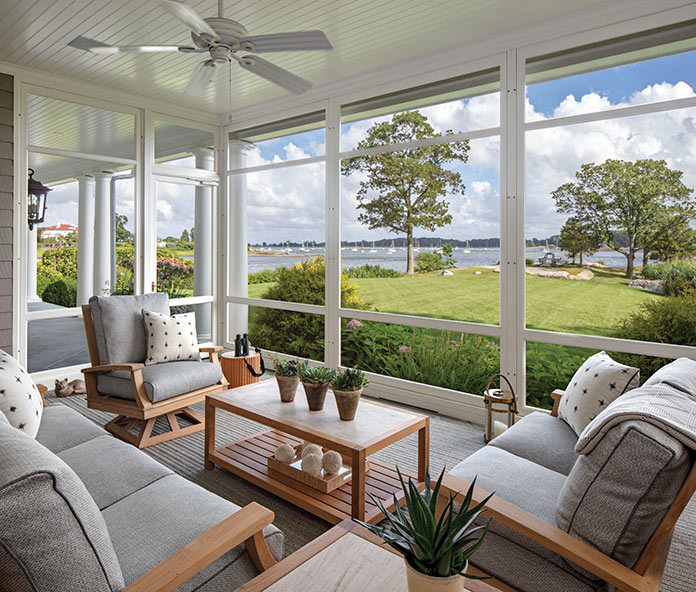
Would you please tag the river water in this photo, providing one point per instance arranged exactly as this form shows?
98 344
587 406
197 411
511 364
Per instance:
396 258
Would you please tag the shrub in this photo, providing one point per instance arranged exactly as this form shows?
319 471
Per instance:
679 276
62 293
529 262
265 276
174 276
426 262
65 260
371 271
45 275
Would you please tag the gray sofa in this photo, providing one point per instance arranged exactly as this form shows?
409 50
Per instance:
82 510
634 459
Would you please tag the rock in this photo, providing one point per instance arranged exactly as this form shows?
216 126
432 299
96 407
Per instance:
446 272
547 273
656 286
585 274
477 273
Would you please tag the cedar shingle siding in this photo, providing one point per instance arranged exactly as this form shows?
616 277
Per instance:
6 201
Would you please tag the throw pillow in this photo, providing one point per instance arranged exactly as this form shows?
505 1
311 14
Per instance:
170 339
597 383
20 400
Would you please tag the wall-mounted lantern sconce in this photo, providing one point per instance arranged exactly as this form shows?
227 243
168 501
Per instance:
37 201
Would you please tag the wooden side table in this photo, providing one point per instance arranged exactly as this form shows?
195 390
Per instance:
235 369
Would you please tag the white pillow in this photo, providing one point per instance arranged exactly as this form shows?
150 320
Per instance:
20 400
597 383
170 339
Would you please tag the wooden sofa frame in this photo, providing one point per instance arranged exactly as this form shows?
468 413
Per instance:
644 576
136 418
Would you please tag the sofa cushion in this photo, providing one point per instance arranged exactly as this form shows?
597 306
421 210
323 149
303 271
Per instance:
162 381
596 383
170 338
149 525
680 374
126 471
20 400
545 440
52 535
618 493
118 325
535 489
62 427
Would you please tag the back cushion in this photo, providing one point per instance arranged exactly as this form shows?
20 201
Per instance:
52 535
118 325
615 496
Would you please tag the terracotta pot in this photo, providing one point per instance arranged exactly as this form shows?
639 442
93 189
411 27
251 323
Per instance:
316 393
418 582
287 385
347 403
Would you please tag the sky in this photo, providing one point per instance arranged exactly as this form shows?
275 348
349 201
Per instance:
288 203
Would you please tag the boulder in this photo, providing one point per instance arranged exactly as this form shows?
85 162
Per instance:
585 274
446 272
656 286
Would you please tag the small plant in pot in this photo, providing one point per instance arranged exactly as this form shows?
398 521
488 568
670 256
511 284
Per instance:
347 387
286 377
316 381
436 549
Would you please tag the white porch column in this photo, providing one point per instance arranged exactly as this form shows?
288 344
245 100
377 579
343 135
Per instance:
32 296
203 245
102 234
85 239
237 240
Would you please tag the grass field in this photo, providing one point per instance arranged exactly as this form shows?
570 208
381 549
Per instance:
591 307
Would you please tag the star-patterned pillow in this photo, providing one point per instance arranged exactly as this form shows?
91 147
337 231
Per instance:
597 383
170 339
20 400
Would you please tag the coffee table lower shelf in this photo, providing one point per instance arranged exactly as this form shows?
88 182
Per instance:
247 458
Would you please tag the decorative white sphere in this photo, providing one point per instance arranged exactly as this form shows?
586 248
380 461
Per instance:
332 462
284 453
311 449
312 464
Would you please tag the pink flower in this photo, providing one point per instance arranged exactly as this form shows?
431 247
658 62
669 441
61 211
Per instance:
352 324
404 349
452 342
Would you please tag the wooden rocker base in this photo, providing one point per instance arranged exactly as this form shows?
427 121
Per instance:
138 432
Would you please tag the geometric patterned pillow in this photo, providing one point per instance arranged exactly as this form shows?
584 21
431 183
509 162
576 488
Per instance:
170 339
597 383
20 400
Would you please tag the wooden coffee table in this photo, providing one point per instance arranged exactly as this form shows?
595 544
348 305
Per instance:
374 427
348 558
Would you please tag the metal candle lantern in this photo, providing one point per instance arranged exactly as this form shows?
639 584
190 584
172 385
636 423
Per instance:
36 208
498 401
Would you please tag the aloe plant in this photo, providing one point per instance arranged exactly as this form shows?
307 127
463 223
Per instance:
284 367
438 547
315 374
351 379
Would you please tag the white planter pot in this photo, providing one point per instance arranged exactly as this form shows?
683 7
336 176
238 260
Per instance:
418 582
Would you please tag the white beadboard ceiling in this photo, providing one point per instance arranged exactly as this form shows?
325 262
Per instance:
366 35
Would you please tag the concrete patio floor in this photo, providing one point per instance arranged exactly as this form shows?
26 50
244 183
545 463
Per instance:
55 343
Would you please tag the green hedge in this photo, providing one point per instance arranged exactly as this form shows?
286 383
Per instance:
678 276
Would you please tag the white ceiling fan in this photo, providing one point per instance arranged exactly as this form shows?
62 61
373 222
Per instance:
224 40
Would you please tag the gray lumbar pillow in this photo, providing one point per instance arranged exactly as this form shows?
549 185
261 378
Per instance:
20 400
597 383
170 339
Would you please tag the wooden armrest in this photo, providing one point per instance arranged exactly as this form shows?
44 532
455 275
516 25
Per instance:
246 525
127 367
210 349
551 537
42 388
556 395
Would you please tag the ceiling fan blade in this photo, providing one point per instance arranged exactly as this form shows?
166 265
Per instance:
189 17
202 76
103 48
275 74
299 41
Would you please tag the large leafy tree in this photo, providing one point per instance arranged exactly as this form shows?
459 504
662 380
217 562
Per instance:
578 239
405 189
623 196
671 238
123 235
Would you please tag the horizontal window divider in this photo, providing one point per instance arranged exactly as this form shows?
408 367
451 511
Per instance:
57 313
82 155
473 135
425 322
163 172
617 113
276 165
191 300
627 346
279 304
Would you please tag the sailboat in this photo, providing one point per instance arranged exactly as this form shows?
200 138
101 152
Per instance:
467 250
417 246
355 247
303 248
391 249
373 250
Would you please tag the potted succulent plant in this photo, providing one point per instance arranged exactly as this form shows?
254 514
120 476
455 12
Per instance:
347 387
286 377
316 381
436 548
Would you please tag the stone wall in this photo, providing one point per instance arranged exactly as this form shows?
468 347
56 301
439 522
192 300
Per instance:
6 209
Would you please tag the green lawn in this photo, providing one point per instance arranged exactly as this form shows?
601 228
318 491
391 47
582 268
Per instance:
591 307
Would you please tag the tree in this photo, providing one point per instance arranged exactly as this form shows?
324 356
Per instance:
123 235
671 238
184 236
578 239
632 197
192 233
409 184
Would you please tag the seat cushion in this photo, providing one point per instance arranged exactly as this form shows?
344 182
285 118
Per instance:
118 325
162 381
545 440
62 428
535 489
149 525
52 535
127 469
